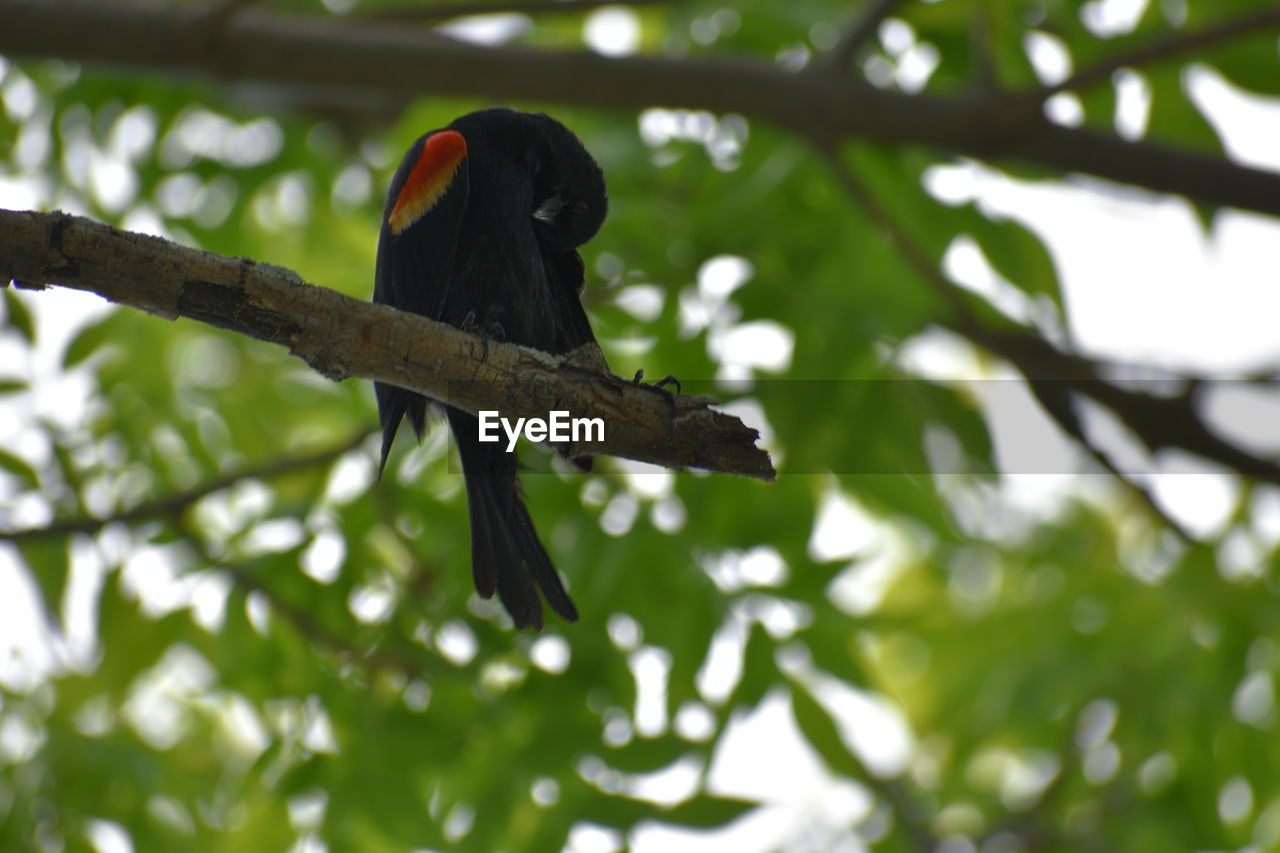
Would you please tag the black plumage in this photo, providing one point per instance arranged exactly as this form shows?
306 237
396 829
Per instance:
480 231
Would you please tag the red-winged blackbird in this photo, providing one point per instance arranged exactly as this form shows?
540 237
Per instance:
480 231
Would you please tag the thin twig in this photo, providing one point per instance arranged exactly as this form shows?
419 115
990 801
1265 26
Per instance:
320 634
449 11
910 249
1156 421
861 29
303 621
1167 48
1058 404
980 41
173 505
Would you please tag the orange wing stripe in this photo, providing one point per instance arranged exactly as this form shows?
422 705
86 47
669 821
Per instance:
429 178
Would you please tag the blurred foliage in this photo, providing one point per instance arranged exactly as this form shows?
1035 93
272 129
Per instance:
298 660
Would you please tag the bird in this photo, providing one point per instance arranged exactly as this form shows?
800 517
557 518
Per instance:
480 230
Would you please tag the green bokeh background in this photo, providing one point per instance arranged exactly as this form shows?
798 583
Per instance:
1072 679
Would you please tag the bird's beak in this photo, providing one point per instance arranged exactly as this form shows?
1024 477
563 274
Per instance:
549 210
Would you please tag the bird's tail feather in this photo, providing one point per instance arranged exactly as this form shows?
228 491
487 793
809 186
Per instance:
506 554
393 404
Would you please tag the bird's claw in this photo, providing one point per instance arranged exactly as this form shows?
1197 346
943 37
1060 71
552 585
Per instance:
661 384
668 380
492 331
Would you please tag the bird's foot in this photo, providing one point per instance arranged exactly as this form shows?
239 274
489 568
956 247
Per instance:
661 384
486 332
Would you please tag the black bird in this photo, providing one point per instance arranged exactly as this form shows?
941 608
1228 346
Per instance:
480 231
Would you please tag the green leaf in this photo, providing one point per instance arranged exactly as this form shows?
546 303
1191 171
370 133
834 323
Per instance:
18 316
820 730
646 755
48 560
20 468
619 812
1018 255
88 341
1174 119
990 625
759 671
1250 62
708 812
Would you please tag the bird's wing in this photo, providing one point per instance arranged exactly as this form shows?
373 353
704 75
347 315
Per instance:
425 204
566 274
420 223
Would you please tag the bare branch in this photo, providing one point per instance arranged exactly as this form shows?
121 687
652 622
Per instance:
1060 406
173 505
1173 46
861 30
1157 421
373 57
342 337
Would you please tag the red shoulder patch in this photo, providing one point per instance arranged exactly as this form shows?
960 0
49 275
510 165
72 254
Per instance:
429 178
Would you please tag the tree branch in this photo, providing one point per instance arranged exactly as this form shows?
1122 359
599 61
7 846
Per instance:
1159 422
1053 376
342 337
821 104
371 659
1179 44
172 505
448 11
1060 406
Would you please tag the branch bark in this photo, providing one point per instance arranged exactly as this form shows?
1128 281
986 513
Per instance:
342 337
821 103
